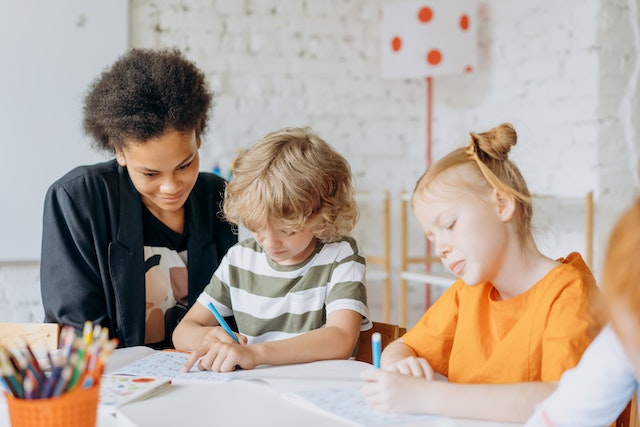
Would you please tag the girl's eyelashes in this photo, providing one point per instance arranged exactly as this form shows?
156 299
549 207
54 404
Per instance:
440 225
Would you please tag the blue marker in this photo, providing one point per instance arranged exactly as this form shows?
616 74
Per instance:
222 322
376 348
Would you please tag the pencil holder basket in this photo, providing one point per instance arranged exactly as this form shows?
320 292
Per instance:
77 408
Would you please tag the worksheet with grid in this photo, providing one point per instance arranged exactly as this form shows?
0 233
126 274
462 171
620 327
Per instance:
349 405
168 364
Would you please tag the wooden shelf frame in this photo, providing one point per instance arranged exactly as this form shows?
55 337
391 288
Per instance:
383 259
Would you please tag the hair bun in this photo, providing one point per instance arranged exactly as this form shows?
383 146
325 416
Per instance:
495 142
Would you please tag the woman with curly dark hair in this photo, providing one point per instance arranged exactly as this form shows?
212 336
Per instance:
131 243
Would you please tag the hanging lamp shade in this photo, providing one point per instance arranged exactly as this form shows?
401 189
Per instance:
428 38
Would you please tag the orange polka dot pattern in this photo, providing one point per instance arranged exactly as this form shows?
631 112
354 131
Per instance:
428 38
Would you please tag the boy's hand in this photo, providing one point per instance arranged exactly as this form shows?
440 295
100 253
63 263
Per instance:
218 334
222 357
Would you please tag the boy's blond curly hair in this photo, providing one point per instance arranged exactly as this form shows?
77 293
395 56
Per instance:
292 178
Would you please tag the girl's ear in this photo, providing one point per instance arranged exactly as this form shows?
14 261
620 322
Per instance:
505 204
120 158
198 141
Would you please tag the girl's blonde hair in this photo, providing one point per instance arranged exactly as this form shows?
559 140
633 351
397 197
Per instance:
621 271
293 178
486 166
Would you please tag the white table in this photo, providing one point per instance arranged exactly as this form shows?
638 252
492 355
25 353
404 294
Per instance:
241 403
258 397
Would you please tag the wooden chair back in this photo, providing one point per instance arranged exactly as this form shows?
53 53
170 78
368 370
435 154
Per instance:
37 335
389 333
629 417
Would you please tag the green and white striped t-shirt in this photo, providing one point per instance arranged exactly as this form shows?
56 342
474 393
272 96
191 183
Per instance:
273 302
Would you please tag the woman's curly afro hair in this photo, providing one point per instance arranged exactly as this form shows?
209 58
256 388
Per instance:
144 94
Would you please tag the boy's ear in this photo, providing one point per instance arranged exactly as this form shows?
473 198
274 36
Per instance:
120 158
506 205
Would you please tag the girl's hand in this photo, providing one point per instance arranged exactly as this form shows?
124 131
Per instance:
414 366
222 357
392 392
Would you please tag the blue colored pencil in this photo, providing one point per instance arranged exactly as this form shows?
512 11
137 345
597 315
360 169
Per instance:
51 381
10 380
222 322
65 376
376 348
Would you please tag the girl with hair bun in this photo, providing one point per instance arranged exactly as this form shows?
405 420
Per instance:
515 319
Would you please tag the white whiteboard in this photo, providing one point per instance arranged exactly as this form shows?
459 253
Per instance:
51 51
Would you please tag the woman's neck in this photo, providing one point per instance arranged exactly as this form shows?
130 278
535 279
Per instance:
172 219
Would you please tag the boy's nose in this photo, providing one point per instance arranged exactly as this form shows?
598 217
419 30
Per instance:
269 241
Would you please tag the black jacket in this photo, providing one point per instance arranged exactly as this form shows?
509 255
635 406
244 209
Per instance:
92 263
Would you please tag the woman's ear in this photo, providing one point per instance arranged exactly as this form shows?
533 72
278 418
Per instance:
505 204
120 158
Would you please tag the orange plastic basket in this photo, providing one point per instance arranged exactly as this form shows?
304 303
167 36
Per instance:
77 408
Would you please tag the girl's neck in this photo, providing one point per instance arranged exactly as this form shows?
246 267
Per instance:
521 270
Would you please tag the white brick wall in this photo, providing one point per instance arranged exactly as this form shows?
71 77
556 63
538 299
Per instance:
562 72
20 299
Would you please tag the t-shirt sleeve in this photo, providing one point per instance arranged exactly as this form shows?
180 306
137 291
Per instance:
217 291
432 336
346 290
571 326
594 392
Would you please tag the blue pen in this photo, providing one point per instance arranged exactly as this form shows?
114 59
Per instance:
222 322
376 348
51 381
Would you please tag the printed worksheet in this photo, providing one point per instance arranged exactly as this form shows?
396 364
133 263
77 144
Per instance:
168 364
349 405
117 390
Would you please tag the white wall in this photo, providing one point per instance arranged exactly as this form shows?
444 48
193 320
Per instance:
564 73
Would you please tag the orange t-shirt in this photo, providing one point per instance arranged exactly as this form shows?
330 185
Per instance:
471 338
